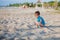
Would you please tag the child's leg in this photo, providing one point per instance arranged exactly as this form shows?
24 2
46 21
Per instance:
37 24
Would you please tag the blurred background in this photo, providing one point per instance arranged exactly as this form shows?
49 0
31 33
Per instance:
31 3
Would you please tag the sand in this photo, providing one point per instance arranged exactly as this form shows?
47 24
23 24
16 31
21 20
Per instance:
18 24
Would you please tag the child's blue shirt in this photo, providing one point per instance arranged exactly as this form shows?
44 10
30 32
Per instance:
40 19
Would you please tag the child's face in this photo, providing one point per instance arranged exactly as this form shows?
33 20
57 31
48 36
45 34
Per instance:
36 15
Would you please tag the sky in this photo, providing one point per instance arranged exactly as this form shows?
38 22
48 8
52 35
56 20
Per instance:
7 2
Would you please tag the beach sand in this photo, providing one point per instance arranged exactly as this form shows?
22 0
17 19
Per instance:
18 24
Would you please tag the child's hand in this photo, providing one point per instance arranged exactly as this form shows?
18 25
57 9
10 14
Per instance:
37 23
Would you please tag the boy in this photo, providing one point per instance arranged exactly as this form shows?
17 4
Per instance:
39 20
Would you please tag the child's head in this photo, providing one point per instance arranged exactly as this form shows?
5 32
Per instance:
37 13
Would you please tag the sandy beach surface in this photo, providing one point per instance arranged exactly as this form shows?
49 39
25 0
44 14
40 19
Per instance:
18 24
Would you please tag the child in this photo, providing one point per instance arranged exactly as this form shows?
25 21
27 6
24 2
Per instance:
39 20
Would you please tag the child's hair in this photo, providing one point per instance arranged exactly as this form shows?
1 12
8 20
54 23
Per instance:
37 12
